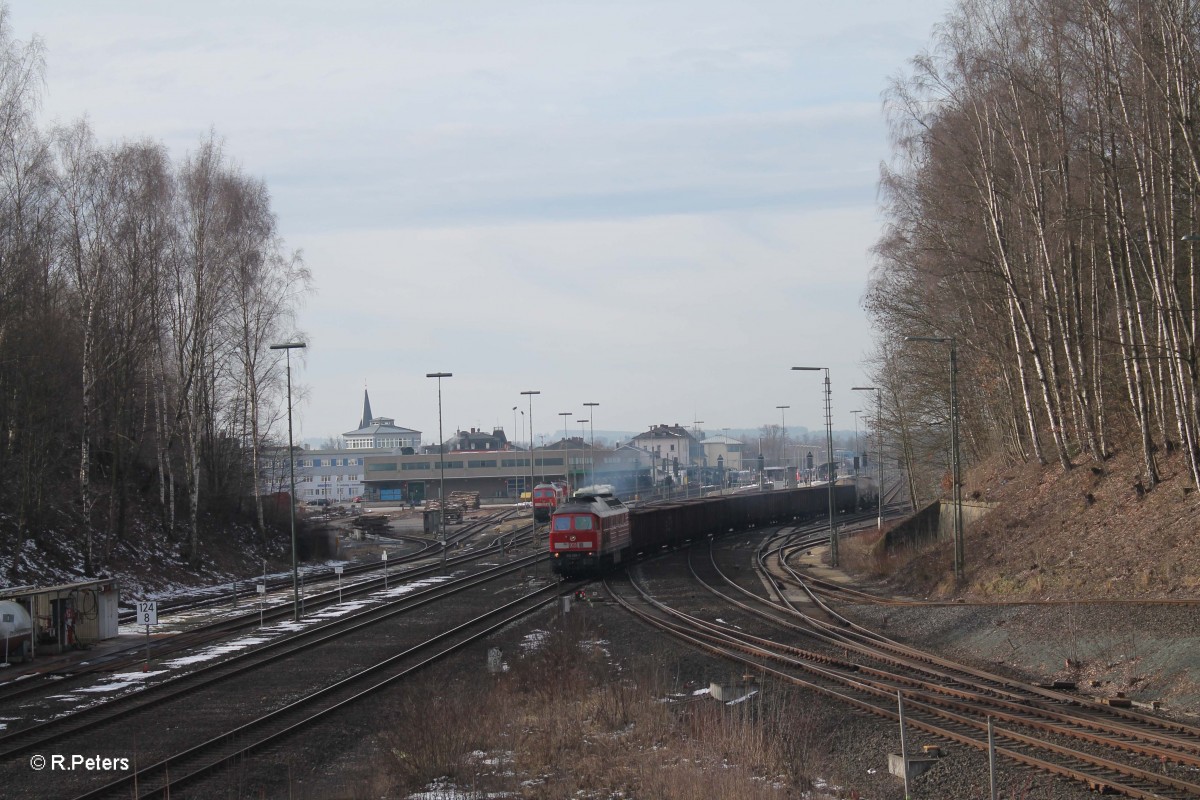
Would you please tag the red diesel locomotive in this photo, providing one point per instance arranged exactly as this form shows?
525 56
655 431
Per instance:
589 533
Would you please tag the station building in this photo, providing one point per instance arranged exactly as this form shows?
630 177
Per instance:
501 474
386 463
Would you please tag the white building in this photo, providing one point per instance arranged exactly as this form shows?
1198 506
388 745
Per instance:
670 447
336 476
333 475
725 448
380 433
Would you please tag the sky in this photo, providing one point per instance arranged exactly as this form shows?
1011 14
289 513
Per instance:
657 206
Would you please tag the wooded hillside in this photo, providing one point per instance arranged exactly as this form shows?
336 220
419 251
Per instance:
138 299
1043 182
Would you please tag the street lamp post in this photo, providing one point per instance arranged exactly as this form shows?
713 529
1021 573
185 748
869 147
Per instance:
959 556
287 348
592 442
514 430
832 473
783 434
441 461
856 412
566 447
879 434
581 422
532 482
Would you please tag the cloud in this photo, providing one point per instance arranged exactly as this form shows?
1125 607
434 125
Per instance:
657 205
705 309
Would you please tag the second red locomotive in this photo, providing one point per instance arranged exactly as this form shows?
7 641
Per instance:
547 497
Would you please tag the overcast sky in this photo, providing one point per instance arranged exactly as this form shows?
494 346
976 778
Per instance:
658 206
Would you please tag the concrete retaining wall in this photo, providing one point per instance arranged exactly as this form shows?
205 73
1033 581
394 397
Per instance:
934 521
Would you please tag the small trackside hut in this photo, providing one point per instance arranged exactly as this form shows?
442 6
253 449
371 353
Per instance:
66 617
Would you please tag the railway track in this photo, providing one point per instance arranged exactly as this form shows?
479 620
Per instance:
295 683
1104 748
231 747
42 735
246 589
58 676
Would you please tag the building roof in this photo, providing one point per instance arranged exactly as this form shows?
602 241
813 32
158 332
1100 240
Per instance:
569 443
722 440
666 432
380 425
474 440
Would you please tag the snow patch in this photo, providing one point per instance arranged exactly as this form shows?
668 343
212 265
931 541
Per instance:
534 640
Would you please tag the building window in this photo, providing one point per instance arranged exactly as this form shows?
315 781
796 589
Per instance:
386 466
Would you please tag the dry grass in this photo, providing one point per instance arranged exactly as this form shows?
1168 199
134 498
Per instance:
565 722
1084 532
921 567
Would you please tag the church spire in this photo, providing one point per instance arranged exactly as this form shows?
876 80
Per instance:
366 420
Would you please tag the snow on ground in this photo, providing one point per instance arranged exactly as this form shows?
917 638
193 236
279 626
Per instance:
741 699
534 640
108 687
598 645
442 789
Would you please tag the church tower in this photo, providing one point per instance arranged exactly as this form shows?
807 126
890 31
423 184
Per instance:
366 420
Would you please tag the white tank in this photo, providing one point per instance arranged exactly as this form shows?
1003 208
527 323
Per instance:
16 629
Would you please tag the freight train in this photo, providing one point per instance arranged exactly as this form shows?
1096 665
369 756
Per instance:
593 532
